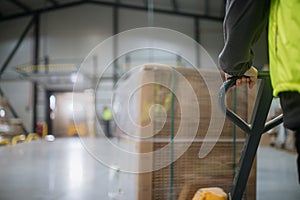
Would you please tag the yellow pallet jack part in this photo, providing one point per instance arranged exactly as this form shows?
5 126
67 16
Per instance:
32 136
212 193
45 130
4 141
18 138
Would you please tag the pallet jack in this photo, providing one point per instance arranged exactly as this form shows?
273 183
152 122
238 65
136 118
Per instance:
254 130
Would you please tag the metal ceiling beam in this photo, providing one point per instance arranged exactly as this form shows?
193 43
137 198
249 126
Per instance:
20 5
111 4
158 10
7 61
42 10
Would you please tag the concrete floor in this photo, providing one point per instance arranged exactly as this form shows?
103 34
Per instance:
59 170
64 170
277 176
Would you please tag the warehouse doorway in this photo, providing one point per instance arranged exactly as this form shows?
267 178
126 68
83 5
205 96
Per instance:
70 114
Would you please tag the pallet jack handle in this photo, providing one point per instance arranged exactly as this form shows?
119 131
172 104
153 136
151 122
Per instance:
254 129
262 97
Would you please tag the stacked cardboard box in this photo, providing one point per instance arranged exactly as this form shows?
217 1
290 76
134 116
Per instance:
8 126
4 120
187 172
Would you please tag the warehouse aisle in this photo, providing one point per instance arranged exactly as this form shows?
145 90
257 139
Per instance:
277 175
64 170
59 170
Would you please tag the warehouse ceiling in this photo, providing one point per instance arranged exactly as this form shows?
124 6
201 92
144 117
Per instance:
14 9
208 9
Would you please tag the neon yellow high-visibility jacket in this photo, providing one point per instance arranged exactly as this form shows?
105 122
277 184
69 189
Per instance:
107 115
284 45
245 20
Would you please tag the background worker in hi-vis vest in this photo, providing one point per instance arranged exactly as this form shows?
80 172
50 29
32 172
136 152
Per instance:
107 117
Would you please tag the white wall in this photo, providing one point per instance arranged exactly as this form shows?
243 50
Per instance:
211 38
130 19
68 35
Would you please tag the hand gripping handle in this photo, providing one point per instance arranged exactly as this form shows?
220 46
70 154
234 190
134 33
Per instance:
264 95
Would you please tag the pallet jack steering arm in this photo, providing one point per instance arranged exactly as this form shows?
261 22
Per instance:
253 130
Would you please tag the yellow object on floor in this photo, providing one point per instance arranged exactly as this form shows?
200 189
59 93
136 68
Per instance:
213 193
4 141
18 138
32 136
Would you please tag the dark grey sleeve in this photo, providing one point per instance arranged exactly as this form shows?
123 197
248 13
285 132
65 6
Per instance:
243 24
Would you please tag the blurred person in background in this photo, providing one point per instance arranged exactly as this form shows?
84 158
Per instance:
107 117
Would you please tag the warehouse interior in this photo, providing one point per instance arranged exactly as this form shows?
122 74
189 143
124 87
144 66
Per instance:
115 99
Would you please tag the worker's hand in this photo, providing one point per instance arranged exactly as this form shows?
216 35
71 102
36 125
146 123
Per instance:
250 78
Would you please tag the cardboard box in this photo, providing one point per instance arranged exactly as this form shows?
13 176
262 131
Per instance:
177 91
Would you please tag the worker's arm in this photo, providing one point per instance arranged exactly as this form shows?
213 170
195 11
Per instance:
243 24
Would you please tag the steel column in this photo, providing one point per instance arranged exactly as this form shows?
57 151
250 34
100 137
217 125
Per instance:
35 62
197 39
175 5
48 111
115 40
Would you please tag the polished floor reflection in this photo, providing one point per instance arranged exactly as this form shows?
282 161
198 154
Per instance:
65 170
60 170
